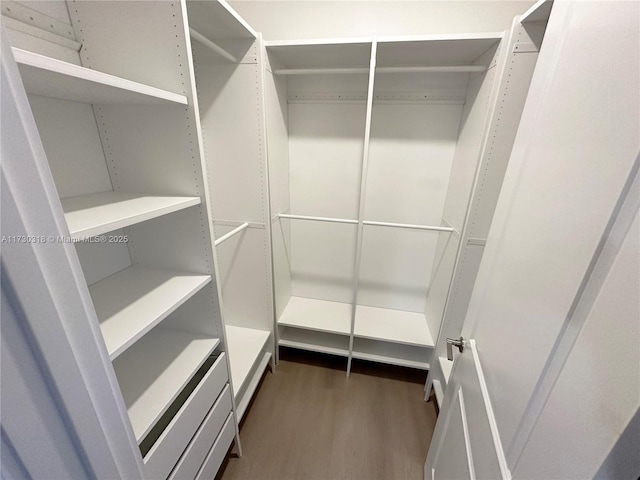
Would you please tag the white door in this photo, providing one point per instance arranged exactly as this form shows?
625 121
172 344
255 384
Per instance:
528 395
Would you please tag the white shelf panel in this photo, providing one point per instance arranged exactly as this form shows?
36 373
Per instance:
434 50
245 347
320 315
134 300
50 77
314 341
391 353
155 370
396 326
241 406
329 53
99 213
445 368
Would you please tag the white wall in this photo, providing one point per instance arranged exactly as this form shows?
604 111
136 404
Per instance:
289 19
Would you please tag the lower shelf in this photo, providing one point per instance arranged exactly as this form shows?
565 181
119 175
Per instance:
314 341
245 347
363 349
396 326
154 371
391 353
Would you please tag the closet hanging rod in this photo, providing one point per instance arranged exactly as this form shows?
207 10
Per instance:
231 234
434 69
318 219
209 44
415 69
325 71
408 225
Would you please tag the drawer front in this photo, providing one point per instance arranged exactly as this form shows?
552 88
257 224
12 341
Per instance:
218 451
194 456
169 447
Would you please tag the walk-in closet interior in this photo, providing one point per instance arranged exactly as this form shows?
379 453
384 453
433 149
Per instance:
228 195
375 148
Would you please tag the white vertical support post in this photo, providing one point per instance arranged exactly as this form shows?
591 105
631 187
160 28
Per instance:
207 205
275 358
363 191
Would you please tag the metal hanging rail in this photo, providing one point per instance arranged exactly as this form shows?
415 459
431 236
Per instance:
416 69
410 226
209 44
233 232
434 69
318 219
325 71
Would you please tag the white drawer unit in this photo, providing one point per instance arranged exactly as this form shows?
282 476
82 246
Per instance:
196 452
218 451
168 448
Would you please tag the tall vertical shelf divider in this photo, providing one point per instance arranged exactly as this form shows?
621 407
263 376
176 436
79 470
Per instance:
366 147
227 59
122 138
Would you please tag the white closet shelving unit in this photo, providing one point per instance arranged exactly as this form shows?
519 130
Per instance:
373 148
451 292
115 105
227 59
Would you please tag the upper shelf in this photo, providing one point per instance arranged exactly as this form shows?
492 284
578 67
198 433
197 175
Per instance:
434 50
321 54
433 53
539 12
49 77
99 213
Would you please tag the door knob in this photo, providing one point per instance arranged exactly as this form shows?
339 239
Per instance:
452 342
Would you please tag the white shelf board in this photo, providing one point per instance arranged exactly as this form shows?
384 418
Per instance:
390 359
434 50
90 215
134 300
314 341
324 53
50 77
155 370
445 368
218 21
245 347
539 12
241 406
395 326
320 315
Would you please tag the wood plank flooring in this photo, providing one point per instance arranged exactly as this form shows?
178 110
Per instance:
310 422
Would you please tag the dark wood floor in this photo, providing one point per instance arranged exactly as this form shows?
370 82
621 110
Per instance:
310 422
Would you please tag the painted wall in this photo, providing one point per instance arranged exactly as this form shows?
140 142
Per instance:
289 19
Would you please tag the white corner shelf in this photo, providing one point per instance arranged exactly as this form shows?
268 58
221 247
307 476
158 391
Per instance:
90 215
134 300
445 368
245 347
54 78
320 315
397 326
314 341
153 373
391 353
